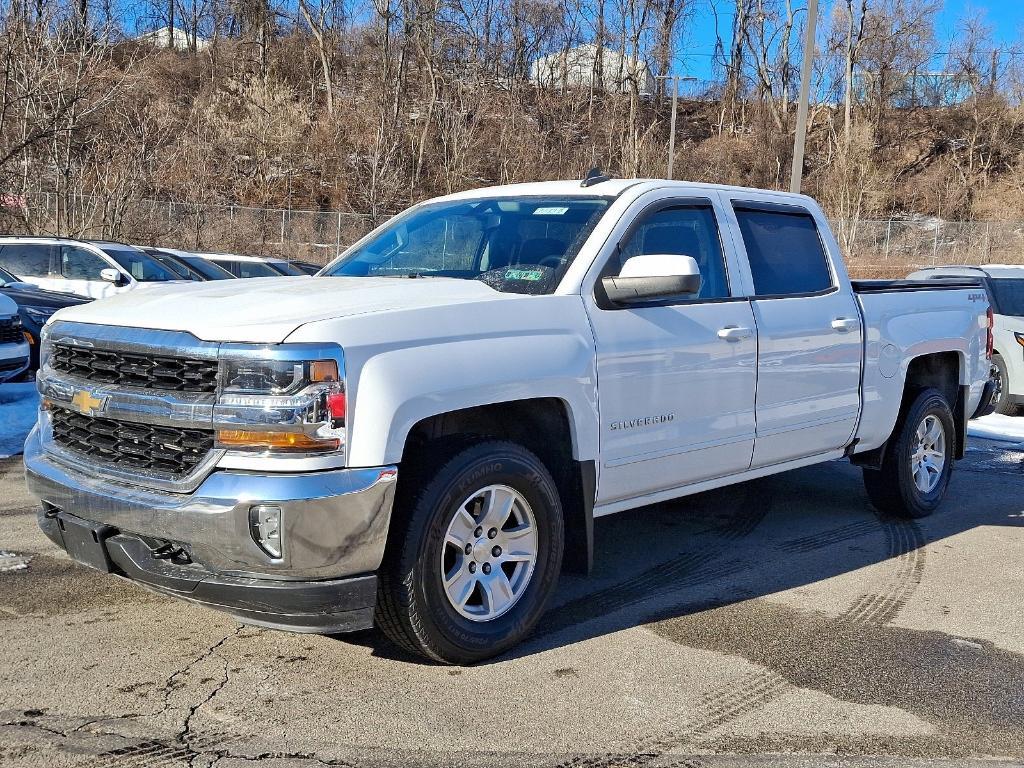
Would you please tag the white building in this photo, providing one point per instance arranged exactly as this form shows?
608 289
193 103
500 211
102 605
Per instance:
577 68
162 38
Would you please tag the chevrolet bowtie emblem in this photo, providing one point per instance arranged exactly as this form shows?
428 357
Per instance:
86 403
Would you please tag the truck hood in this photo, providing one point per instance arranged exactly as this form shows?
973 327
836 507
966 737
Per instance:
267 310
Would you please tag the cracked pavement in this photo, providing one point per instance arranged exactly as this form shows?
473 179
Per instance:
780 622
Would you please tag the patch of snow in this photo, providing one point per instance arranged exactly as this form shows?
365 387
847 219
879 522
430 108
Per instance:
1006 429
19 403
12 562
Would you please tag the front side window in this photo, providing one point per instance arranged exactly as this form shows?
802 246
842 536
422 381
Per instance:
515 245
685 230
1007 296
139 265
26 259
80 264
784 250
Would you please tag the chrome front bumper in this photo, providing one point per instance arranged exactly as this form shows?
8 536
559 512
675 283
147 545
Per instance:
334 522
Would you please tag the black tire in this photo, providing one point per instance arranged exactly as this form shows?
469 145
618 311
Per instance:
892 488
413 609
1003 404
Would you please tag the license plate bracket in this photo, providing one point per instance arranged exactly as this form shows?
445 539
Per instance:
86 542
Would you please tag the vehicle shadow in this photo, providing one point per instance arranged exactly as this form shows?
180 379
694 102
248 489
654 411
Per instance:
758 538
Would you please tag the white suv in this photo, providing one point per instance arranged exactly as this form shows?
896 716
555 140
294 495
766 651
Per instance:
91 269
1005 285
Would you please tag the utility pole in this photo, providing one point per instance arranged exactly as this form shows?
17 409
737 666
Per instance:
805 90
676 79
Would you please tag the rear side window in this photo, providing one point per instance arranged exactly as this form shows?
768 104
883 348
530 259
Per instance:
26 259
1007 295
785 251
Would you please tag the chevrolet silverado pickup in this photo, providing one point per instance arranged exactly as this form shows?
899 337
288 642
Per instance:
421 436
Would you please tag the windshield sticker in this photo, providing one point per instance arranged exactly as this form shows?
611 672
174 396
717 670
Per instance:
524 274
551 211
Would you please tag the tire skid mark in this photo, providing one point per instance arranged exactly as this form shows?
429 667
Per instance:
827 538
156 753
905 547
689 569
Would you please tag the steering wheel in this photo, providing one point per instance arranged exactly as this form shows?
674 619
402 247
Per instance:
552 262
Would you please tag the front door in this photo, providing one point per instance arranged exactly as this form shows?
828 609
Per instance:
676 377
809 335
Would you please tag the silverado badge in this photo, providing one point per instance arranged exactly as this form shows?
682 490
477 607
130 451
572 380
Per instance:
86 403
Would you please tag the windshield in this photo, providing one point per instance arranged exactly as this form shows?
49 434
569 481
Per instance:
516 245
139 265
246 268
174 266
7 277
1008 296
287 269
207 269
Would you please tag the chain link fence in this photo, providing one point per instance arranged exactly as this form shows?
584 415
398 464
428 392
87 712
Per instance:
316 236
873 248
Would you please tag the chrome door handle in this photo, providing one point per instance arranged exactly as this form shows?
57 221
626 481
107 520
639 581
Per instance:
734 333
845 324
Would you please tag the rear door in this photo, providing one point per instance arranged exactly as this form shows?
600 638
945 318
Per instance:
809 332
676 377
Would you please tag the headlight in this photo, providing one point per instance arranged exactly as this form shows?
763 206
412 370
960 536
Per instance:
281 406
40 314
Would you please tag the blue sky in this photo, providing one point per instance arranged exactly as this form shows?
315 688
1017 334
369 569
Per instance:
1006 17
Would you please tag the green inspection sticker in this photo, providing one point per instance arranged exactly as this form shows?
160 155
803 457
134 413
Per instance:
524 274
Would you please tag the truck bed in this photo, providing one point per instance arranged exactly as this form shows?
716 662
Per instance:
931 284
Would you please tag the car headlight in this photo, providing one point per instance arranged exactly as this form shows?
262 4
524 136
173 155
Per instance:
280 406
40 314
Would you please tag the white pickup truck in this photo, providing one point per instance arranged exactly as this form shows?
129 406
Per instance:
421 436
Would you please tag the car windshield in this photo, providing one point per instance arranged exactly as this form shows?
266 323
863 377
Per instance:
240 268
1008 295
139 265
180 270
515 245
207 269
286 269
7 277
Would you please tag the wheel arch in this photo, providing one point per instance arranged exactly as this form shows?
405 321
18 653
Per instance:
543 426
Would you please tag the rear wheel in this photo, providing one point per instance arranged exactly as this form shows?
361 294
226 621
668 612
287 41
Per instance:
475 553
1001 398
918 461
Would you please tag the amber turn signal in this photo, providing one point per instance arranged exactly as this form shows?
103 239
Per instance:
275 441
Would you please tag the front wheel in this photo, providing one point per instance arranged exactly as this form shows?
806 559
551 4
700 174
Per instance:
475 553
918 461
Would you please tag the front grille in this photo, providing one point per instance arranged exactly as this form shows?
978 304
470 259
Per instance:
134 369
129 445
10 333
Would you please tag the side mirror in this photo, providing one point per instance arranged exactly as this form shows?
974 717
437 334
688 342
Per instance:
111 275
648 278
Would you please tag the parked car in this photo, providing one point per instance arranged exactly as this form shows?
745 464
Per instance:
1005 286
93 269
35 306
14 349
242 266
425 432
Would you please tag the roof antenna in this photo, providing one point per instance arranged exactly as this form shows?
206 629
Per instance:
594 176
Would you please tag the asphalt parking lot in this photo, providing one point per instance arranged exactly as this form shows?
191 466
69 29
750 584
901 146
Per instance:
781 617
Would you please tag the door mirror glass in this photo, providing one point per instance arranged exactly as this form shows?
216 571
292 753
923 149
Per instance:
649 278
111 275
